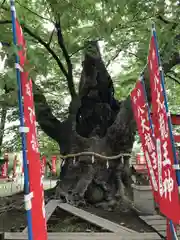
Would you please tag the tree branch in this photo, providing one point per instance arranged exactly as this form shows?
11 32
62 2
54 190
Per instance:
67 58
3 2
42 42
51 36
173 78
5 22
45 118
36 14
59 131
174 24
3 7
83 47
173 27
173 61
128 24
7 9
5 44
133 54
69 74
174 73
118 51
77 50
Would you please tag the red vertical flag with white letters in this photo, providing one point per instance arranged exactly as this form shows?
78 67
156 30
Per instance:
14 165
54 158
167 184
4 167
33 156
43 165
140 109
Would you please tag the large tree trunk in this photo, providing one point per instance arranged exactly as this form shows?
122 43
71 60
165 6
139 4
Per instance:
97 123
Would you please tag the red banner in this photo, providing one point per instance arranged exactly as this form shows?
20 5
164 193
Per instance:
54 158
175 119
145 132
168 190
14 165
4 167
4 170
177 138
140 159
33 155
43 165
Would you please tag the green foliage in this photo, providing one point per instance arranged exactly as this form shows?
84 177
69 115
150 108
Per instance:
123 28
47 146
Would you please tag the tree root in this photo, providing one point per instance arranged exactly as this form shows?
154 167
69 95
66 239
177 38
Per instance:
95 184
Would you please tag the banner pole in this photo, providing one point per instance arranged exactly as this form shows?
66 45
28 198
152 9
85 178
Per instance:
22 126
169 121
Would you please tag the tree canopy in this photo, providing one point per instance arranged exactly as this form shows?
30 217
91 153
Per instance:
56 30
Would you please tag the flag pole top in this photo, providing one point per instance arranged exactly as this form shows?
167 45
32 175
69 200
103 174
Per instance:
153 27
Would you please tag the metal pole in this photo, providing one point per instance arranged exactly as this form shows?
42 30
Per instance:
21 117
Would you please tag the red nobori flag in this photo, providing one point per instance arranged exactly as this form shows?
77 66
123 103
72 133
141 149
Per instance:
14 166
140 109
167 184
33 156
4 167
43 165
4 170
54 158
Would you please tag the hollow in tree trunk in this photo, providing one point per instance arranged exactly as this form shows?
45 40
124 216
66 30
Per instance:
98 123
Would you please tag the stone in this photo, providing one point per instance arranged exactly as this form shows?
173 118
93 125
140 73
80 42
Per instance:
143 199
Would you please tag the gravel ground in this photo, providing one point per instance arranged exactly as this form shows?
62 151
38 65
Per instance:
10 188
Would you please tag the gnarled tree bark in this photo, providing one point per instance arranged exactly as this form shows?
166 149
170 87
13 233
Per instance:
98 123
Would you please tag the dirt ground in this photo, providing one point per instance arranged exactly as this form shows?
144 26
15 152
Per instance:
12 213
13 218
